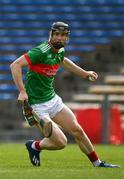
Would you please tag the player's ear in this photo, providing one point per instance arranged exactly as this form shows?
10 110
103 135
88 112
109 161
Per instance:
67 39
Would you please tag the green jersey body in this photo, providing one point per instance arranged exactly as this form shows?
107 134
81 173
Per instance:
44 63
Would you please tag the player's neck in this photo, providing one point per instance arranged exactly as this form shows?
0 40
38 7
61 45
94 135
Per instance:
54 49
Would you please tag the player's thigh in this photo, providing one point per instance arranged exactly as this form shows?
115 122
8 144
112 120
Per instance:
67 120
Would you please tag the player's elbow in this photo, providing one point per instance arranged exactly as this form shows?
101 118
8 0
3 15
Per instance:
12 65
18 63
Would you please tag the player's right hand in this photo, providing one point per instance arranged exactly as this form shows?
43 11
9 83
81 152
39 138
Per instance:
22 96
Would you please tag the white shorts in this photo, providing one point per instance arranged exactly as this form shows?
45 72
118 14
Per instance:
48 109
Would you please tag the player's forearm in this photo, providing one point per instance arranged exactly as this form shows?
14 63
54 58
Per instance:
69 65
17 76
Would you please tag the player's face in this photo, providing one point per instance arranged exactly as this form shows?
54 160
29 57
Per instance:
59 38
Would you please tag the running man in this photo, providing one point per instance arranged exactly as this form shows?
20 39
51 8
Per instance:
43 62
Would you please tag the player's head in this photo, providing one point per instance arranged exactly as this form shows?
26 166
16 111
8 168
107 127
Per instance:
59 34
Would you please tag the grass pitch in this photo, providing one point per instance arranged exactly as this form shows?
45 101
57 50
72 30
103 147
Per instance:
69 163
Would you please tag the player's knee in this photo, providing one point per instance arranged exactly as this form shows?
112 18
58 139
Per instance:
62 142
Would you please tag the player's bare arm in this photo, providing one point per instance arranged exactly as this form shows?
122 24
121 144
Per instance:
71 66
16 69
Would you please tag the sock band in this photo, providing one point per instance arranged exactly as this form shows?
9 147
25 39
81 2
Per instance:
37 145
93 156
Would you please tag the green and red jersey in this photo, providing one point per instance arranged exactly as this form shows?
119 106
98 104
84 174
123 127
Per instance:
44 63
